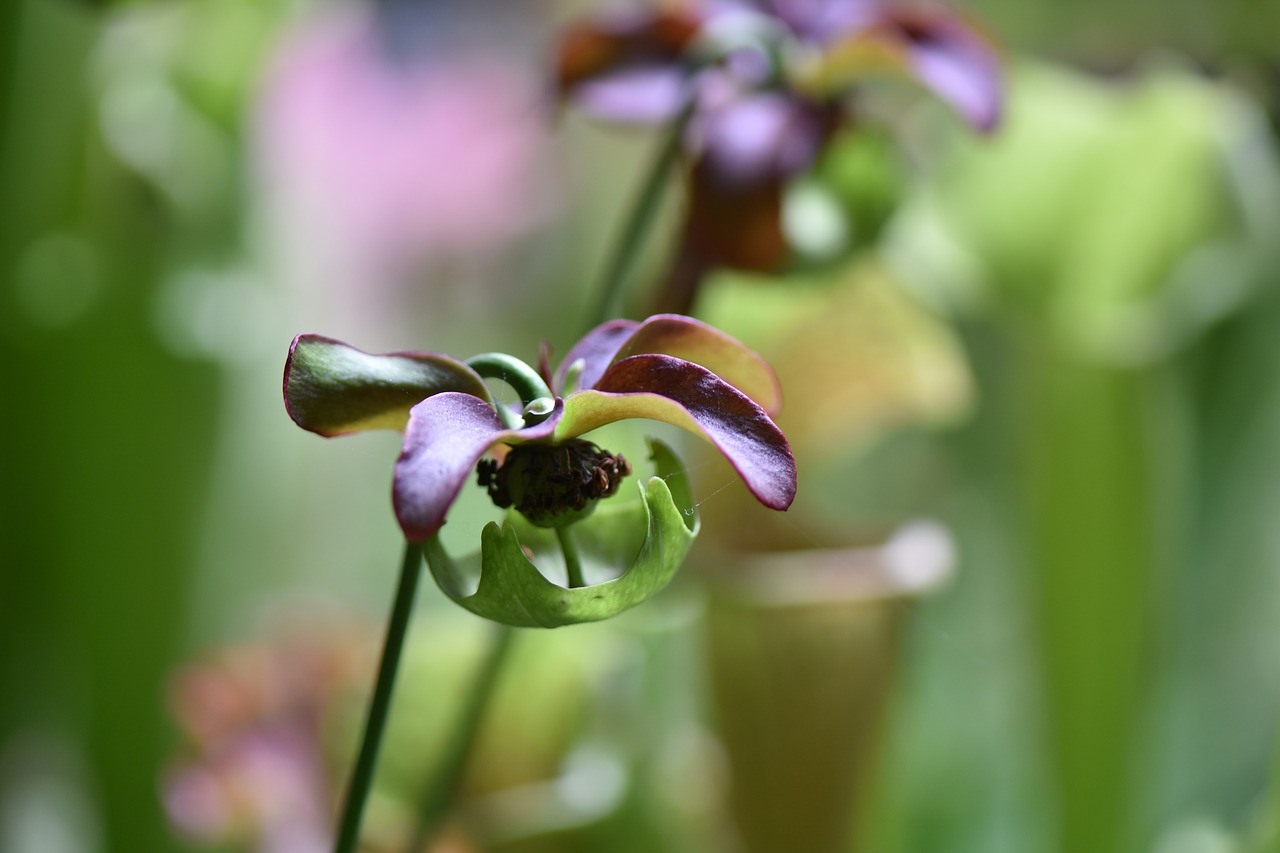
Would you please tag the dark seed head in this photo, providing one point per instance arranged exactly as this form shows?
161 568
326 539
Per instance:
553 485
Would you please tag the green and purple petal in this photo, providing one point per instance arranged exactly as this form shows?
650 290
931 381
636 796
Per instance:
446 436
331 388
674 391
725 356
596 351
679 336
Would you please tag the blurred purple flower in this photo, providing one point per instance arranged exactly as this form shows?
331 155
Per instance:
255 773
766 81
405 158
266 787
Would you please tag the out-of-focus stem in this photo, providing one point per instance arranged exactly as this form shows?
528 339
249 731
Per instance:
443 789
638 222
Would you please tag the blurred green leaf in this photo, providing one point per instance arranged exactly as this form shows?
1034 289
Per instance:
1110 225
1124 215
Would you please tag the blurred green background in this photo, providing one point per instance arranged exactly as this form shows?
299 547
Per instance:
1057 345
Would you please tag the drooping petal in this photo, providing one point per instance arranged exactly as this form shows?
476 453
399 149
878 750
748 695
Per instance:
936 48
445 438
953 61
596 350
725 356
331 388
628 67
747 140
663 388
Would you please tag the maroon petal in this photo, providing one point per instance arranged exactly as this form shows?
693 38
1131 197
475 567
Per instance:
734 227
628 67
695 341
445 438
679 392
750 146
596 350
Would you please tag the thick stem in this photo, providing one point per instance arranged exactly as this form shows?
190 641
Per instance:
638 222
572 562
443 789
380 703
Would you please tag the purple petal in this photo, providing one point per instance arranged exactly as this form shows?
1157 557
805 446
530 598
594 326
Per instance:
445 438
725 356
628 67
944 54
641 94
663 388
596 349
822 20
753 139
958 66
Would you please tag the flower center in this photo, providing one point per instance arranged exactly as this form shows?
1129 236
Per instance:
553 485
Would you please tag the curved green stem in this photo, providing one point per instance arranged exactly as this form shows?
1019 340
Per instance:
362 774
572 562
511 370
443 789
638 221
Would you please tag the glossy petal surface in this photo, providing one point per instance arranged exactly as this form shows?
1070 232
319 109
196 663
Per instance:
596 349
445 438
679 336
674 391
725 356
331 388
646 540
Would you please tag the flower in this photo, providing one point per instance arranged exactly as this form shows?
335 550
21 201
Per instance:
253 772
668 368
766 83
